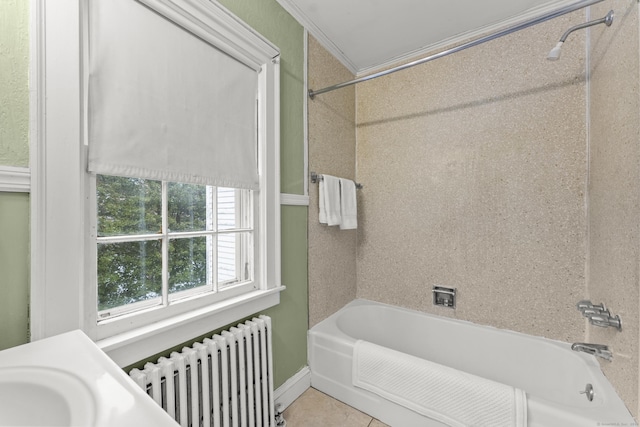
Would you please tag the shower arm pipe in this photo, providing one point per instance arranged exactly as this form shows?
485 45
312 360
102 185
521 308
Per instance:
606 20
529 23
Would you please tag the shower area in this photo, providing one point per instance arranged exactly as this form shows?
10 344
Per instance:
512 178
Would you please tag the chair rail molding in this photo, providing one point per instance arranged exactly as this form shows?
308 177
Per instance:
294 199
15 179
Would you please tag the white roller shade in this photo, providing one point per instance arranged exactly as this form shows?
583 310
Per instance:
165 104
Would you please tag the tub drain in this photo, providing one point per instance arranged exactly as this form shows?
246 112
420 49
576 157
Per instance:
588 390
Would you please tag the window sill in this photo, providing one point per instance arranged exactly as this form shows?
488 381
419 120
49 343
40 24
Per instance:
135 345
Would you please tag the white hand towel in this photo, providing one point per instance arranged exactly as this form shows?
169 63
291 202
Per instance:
322 212
329 200
348 205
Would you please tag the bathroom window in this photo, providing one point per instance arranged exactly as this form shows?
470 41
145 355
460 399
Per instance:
156 190
159 243
182 214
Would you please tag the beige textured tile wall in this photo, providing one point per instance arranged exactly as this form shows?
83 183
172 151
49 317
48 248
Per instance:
474 168
614 200
332 150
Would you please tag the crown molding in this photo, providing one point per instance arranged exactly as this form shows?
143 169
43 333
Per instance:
327 43
318 34
463 37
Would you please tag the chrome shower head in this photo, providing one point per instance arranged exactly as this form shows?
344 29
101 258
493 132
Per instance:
554 55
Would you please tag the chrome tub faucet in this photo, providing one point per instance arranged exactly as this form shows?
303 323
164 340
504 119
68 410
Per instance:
598 350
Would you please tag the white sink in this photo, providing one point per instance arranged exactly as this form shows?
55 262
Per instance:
44 396
67 380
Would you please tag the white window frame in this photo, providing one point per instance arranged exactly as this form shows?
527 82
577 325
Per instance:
61 299
148 311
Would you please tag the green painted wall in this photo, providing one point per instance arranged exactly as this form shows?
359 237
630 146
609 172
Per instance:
14 269
14 151
290 318
14 83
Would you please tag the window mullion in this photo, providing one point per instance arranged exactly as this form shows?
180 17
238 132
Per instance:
165 243
240 240
127 238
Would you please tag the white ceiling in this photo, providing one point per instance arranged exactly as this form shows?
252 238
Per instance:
368 34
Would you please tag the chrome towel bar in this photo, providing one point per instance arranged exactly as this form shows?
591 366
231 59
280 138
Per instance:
316 177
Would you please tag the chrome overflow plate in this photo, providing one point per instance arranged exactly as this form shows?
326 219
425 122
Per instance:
588 390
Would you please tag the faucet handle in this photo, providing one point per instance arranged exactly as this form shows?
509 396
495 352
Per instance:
604 321
588 312
581 305
588 305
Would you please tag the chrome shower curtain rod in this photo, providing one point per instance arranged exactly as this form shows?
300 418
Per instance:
529 23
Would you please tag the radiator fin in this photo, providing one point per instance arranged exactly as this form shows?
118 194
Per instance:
223 381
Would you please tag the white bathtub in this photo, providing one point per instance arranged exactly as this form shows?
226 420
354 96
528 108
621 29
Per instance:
551 374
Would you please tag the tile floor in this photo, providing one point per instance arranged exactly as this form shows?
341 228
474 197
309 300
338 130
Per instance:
316 409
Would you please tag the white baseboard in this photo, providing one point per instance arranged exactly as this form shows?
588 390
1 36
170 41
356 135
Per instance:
293 388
